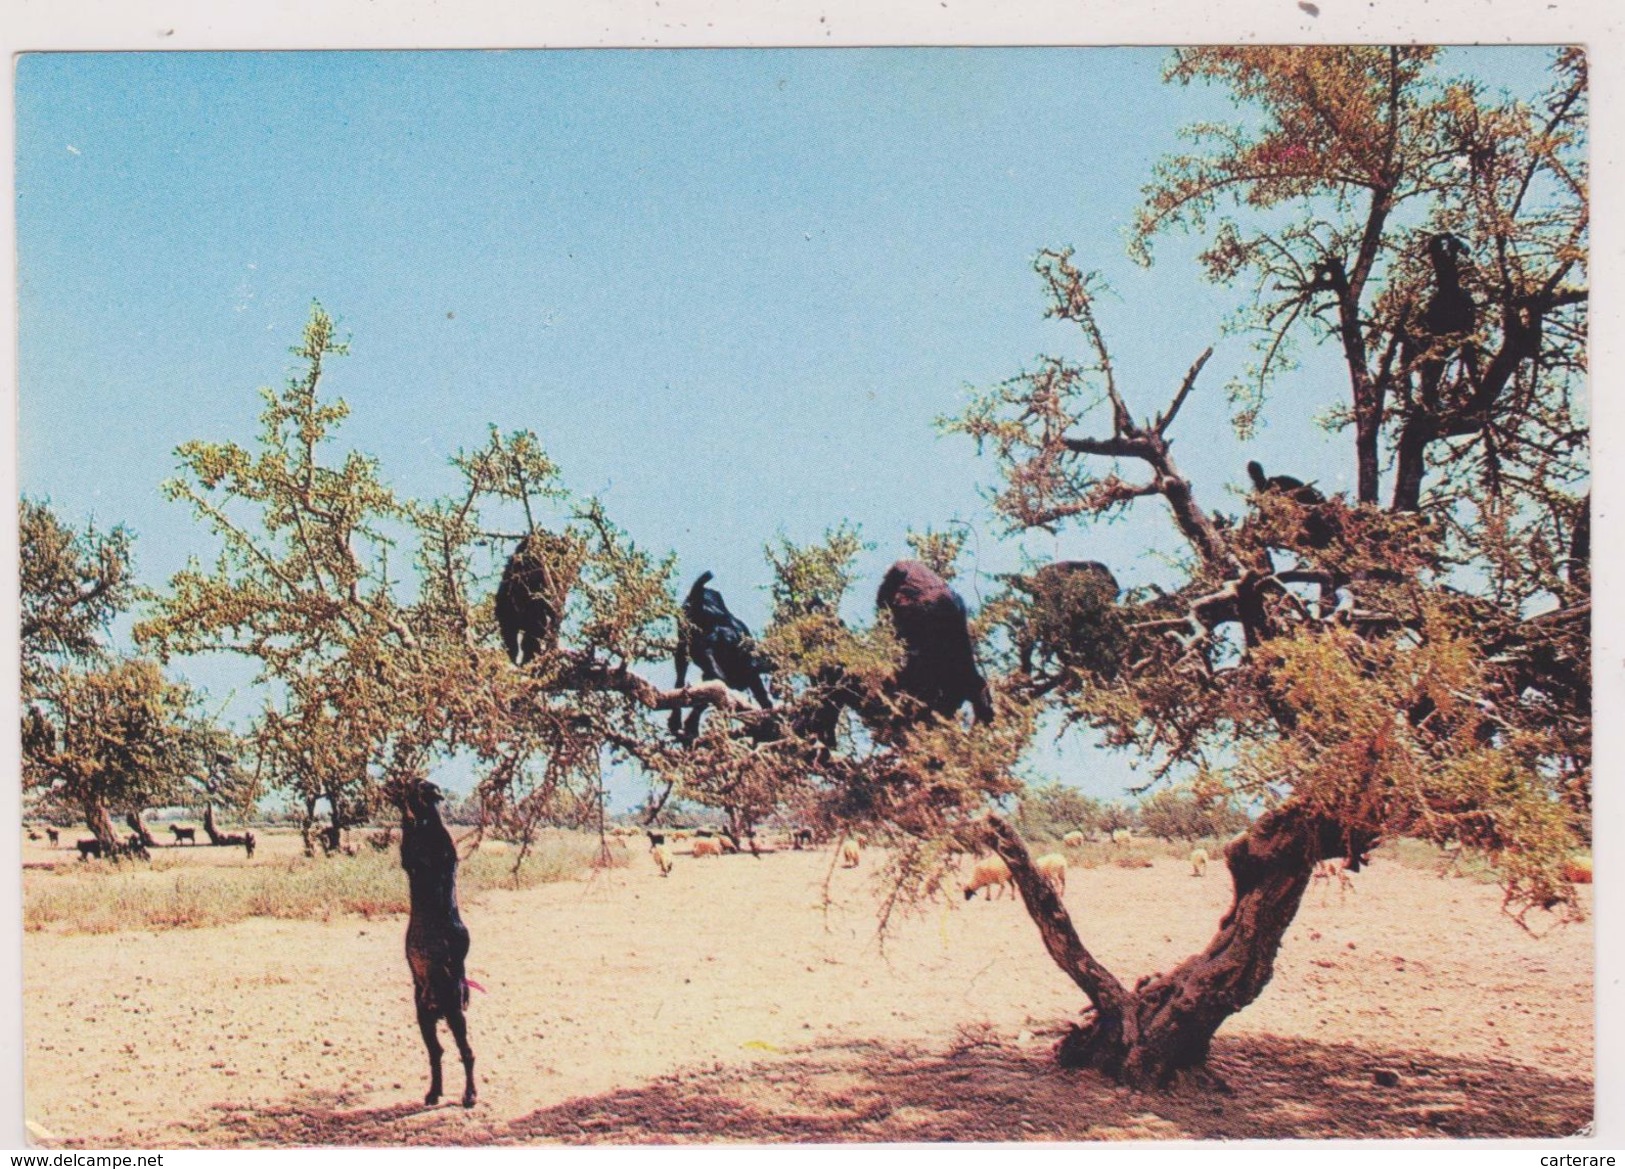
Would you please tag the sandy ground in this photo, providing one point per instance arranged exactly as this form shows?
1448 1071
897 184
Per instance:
727 1003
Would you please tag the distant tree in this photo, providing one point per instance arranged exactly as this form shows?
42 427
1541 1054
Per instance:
1184 815
1051 811
102 734
107 741
72 585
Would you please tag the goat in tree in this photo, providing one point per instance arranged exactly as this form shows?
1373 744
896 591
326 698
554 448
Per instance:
720 644
529 602
1318 529
436 938
1295 489
1448 318
939 663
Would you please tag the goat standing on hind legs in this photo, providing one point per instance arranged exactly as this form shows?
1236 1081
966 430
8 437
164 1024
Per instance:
436 938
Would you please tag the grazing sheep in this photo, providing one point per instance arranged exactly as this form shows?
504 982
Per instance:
1198 862
803 838
662 858
1073 840
436 938
531 597
1121 836
187 834
53 836
707 846
939 662
990 872
721 645
1052 867
850 854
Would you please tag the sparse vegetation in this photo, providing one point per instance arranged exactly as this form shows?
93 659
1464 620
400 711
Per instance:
97 897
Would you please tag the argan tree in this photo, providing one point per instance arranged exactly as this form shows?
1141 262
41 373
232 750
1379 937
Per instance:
370 622
1358 669
102 734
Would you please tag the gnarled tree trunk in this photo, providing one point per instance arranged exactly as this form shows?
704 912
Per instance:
1164 1027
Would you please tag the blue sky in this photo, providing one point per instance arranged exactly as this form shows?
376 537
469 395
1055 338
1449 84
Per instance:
730 290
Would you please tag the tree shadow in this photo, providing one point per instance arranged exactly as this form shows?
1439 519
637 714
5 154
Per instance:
981 1090
1279 1088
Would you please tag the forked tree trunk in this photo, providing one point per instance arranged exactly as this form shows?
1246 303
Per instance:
101 826
209 829
139 827
1164 1027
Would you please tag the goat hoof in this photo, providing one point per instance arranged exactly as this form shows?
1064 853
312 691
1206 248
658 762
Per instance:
468 1099
432 1098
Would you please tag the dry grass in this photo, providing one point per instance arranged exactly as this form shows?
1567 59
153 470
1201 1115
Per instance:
96 897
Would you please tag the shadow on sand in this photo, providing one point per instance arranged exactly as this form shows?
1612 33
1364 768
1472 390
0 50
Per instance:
989 1091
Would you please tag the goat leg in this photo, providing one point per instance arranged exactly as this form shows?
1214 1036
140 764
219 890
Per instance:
426 1024
459 1032
675 723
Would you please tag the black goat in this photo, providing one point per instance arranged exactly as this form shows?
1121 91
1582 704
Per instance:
1319 527
939 663
90 848
1447 319
53 836
720 644
187 834
1296 489
803 838
436 938
530 601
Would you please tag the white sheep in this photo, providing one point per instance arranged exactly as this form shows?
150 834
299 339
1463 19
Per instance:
849 854
990 872
662 856
1073 839
1198 862
1052 867
707 846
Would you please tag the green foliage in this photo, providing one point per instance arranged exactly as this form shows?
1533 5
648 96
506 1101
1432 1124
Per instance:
72 584
115 737
1051 811
938 551
1184 815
